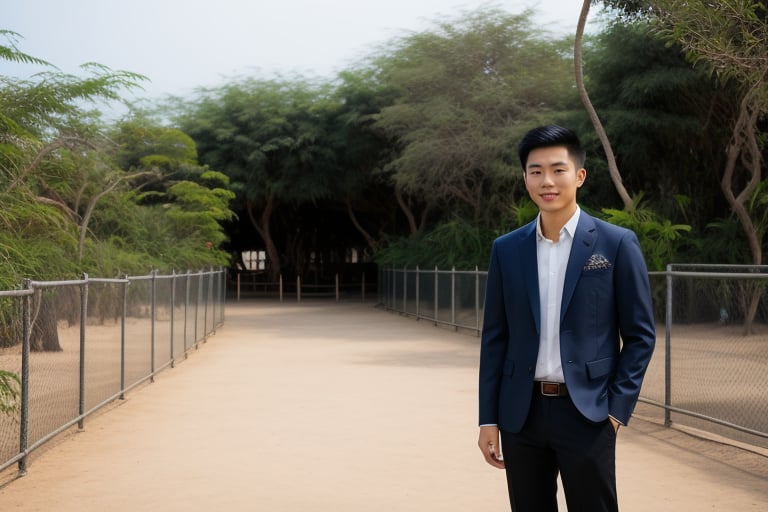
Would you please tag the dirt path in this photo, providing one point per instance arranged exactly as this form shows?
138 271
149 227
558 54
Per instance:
332 407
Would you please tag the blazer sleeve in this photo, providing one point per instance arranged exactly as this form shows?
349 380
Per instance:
636 327
493 342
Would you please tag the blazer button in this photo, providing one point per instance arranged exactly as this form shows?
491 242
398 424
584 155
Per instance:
530 369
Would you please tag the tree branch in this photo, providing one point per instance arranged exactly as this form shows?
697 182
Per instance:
613 168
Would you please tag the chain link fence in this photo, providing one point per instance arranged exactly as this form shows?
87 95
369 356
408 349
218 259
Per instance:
446 297
77 346
709 368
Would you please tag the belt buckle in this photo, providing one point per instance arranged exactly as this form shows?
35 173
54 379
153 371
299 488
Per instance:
550 388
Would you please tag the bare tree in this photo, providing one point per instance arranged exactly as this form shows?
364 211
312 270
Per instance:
578 58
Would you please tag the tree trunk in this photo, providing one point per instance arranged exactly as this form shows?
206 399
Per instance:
44 336
368 238
262 227
407 211
613 168
744 148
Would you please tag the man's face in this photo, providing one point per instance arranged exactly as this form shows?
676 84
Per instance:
551 179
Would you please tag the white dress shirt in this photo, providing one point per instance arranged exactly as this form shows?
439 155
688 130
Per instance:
552 263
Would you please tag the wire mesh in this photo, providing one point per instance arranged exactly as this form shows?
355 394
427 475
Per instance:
11 336
91 340
54 364
103 336
709 374
719 353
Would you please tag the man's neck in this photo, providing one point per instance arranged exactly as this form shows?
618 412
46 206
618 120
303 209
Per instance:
552 223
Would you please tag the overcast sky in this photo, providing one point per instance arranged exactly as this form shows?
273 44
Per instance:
183 44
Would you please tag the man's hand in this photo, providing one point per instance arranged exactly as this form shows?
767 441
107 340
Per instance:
490 446
615 424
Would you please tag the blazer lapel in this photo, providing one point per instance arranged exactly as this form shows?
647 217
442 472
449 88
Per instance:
530 267
581 249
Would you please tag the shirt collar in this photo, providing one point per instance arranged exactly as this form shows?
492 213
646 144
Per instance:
569 228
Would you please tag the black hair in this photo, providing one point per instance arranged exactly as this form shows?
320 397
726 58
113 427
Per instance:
551 135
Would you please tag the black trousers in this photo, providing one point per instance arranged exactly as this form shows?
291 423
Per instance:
557 438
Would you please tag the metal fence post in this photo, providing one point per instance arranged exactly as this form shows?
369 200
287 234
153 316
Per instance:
220 294
153 291
33 417
26 333
83 320
337 287
437 288
477 299
668 351
219 297
186 315
205 309
197 305
173 311
453 299
405 289
418 294
123 312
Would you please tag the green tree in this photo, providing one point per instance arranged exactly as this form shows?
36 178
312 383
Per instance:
45 137
9 392
189 203
613 168
360 152
268 137
729 38
465 90
654 103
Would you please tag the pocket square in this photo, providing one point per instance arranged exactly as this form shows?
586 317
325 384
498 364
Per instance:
597 262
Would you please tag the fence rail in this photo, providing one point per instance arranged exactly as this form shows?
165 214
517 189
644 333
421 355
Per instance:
79 345
252 283
709 373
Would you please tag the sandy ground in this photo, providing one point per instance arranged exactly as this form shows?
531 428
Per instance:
336 407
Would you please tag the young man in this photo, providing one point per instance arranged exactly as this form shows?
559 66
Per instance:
567 336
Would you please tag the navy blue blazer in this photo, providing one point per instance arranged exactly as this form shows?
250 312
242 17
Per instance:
607 328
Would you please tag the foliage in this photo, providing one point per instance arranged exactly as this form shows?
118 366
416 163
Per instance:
659 238
9 392
724 238
36 241
143 144
58 167
637 81
58 164
730 38
176 220
525 211
466 88
455 243
51 101
270 138
418 141
722 242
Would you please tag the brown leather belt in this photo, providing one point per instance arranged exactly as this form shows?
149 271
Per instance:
551 388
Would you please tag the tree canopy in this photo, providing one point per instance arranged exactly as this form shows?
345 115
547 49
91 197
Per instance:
412 149
73 186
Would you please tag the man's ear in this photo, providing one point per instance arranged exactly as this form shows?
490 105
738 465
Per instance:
581 176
